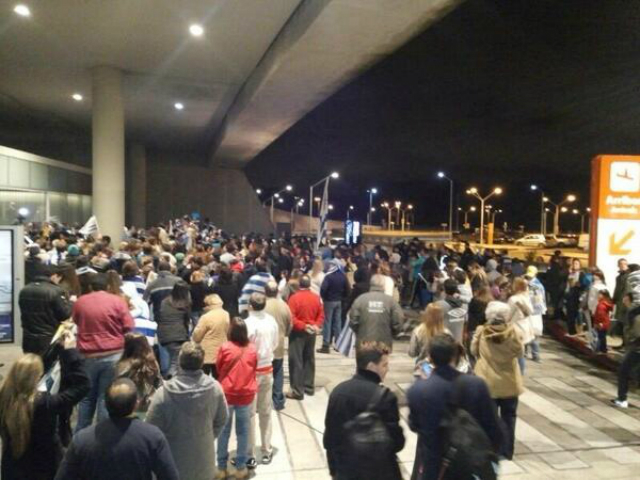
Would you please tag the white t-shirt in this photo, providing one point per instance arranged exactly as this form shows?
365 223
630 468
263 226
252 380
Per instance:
263 332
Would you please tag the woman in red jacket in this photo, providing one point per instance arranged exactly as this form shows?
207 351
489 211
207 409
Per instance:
236 364
602 318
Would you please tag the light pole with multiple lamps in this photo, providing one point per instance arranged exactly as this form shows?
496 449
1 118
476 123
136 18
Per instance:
298 202
558 207
442 175
542 214
466 214
474 191
404 211
334 175
371 192
586 213
387 207
273 198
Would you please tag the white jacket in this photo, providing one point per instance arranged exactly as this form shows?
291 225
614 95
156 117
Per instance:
263 332
521 311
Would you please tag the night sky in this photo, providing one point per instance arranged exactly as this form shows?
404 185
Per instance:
498 93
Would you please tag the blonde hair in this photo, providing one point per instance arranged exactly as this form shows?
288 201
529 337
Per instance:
519 285
432 322
17 397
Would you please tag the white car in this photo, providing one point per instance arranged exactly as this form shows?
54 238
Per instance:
533 240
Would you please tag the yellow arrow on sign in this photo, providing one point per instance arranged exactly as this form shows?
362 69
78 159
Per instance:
615 247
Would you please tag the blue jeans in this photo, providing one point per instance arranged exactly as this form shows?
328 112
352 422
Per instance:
163 359
332 322
174 351
242 433
278 384
534 346
100 371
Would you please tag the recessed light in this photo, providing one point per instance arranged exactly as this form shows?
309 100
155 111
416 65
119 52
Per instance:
196 30
179 106
77 97
22 10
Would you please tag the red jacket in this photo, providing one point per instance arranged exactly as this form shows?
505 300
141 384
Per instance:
306 309
238 380
602 317
102 320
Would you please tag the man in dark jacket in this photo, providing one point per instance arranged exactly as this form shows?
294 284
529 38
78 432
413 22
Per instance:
618 294
43 305
348 400
335 288
121 446
160 288
375 316
428 405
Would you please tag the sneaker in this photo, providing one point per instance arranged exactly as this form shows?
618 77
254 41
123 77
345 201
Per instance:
266 458
251 465
293 396
243 473
221 474
324 349
620 403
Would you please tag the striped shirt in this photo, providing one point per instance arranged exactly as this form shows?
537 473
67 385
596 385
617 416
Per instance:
255 284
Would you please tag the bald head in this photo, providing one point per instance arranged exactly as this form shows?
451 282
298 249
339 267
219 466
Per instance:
121 398
271 289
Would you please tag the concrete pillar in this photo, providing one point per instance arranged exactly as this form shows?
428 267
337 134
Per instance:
138 186
108 151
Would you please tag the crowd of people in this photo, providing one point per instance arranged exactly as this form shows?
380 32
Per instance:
162 339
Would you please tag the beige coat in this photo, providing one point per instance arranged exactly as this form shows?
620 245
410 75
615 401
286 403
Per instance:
497 348
279 310
211 331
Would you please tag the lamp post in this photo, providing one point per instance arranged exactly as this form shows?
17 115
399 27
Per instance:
386 206
273 198
396 206
543 221
371 192
558 207
442 175
404 214
466 214
575 211
334 175
298 202
349 210
474 191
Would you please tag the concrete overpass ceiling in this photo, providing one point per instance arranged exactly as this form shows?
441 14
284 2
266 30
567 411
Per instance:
324 45
46 58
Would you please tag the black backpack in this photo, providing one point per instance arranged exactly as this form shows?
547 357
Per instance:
368 441
468 452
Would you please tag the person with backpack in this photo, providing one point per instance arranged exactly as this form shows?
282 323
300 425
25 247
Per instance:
455 310
358 408
455 418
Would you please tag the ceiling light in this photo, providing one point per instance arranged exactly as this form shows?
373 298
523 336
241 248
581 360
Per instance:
196 30
22 10
77 97
179 106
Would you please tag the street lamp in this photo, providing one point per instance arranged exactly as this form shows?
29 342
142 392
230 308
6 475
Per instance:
372 192
273 197
385 205
298 202
397 204
442 175
559 207
542 214
259 191
333 175
466 214
474 191
349 210
405 211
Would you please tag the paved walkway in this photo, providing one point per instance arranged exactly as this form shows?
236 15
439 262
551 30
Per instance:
566 428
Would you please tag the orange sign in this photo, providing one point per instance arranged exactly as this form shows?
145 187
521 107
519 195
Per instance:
617 185
615 212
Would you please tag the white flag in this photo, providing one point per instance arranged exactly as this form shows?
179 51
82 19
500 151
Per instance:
324 210
91 227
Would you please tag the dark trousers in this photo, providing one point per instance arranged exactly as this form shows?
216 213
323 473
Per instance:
210 369
629 363
602 341
507 408
277 394
302 363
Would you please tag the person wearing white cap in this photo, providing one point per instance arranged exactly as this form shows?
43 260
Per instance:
498 345
537 295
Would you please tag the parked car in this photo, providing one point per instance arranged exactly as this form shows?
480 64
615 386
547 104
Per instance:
554 241
532 240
